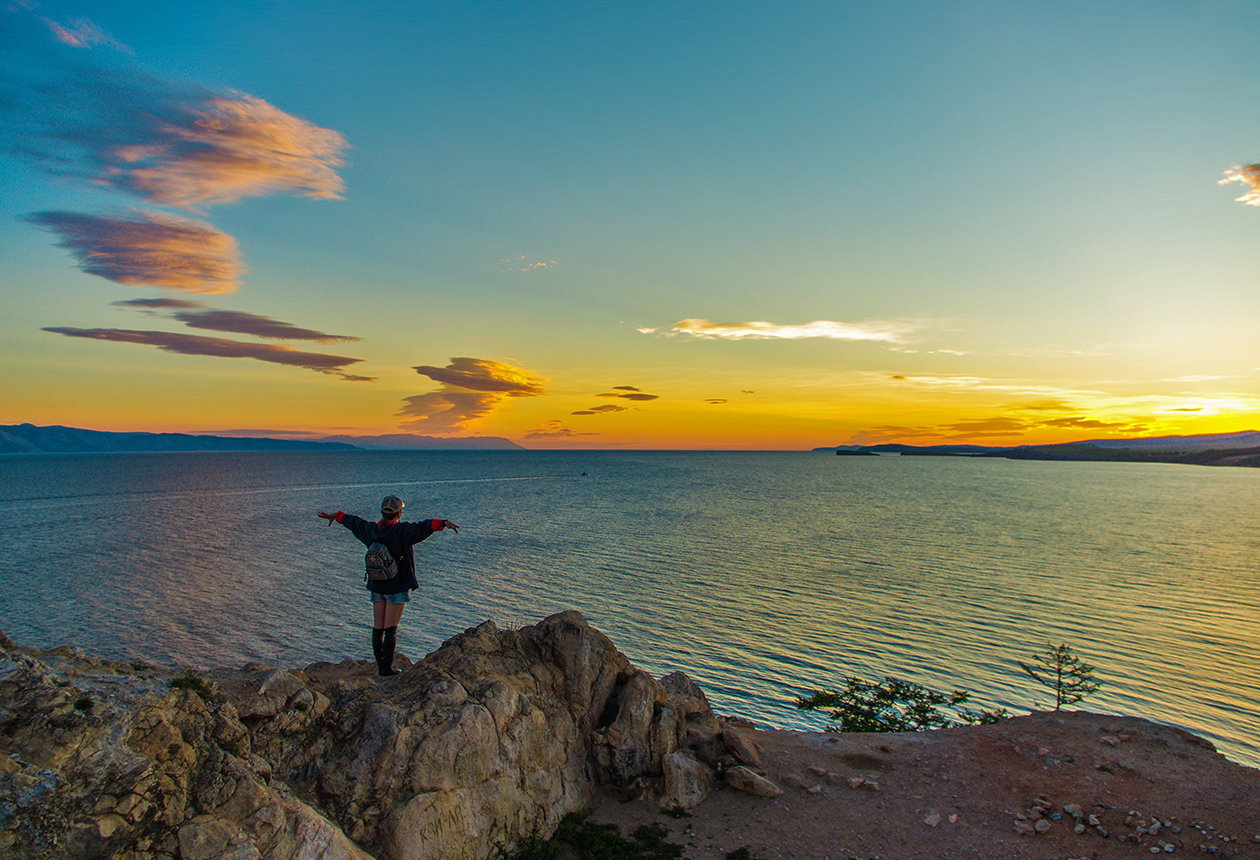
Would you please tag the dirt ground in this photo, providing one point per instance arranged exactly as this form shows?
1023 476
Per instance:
963 793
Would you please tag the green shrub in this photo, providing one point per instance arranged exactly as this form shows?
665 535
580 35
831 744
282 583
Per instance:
580 839
894 706
190 681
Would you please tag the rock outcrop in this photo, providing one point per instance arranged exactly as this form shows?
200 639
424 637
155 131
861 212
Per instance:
494 737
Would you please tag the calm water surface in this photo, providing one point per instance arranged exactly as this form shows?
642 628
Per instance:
761 575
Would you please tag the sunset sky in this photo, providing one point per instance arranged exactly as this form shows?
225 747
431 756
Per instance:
651 225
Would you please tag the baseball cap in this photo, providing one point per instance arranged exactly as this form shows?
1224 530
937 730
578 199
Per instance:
391 505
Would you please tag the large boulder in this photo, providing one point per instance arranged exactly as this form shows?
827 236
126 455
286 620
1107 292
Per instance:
494 737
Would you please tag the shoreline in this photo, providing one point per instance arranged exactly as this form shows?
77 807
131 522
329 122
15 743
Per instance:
146 763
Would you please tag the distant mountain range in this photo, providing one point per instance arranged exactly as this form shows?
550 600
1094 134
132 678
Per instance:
1218 449
29 439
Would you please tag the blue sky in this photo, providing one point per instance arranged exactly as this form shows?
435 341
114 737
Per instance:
1004 218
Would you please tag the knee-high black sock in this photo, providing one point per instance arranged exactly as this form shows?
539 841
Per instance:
388 642
378 636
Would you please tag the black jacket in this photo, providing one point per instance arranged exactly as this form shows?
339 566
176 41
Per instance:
400 538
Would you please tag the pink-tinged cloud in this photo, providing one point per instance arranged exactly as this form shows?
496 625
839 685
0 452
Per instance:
1248 175
83 33
175 144
190 344
226 148
891 332
151 249
480 374
471 389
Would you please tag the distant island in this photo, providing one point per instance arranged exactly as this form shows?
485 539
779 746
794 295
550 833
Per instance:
1219 449
30 439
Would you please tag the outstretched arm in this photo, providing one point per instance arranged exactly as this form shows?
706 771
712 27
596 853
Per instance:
446 524
326 516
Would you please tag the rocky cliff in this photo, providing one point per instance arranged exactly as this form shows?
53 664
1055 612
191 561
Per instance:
492 738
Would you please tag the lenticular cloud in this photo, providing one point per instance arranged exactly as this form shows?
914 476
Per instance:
471 389
173 144
151 249
224 148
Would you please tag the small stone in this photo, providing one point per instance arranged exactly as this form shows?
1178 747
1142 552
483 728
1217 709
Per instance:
870 785
932 819
1078 828
1073 810
745 780
1042 825
1093 820
856 782
953 818
1103 831
1155 849
820 772
1023 828
1110 740
817 789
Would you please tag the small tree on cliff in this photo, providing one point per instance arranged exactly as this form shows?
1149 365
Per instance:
1062 671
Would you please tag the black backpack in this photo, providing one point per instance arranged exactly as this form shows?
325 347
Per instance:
379 563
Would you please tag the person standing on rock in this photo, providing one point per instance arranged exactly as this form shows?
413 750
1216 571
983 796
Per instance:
389 596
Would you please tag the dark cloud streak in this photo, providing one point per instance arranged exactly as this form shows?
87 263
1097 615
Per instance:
189 344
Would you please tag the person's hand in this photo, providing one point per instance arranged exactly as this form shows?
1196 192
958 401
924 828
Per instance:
450 525
327 516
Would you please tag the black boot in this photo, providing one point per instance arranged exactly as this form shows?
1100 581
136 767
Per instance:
385 663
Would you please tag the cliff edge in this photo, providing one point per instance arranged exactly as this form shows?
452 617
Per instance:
498 734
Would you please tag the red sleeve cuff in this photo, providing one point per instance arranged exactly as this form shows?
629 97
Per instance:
439 525
340 514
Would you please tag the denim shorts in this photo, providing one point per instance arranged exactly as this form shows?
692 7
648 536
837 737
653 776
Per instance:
400 597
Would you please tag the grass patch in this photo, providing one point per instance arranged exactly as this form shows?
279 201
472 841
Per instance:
577 838
190 681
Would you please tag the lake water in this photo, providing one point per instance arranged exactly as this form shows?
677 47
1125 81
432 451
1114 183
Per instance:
762 575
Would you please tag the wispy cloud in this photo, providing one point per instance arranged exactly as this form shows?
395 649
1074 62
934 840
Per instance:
629 392
170 143
196 315
886 331
600 410
555 430
525 264
83 33
190 344
1248 175
999 427
149 249
471 389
